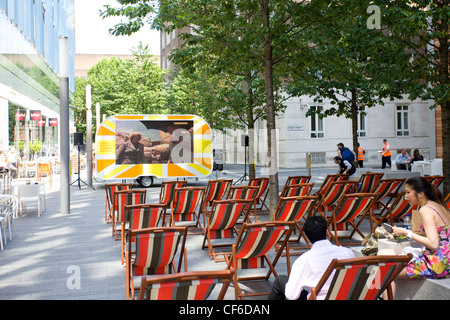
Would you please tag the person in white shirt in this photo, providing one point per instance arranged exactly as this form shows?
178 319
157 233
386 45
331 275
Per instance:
401 159
310 266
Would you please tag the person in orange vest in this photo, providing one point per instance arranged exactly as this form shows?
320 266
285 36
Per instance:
361 153
385 154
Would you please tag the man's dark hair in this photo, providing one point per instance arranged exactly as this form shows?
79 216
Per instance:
315 228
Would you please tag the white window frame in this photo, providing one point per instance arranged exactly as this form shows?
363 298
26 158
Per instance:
362 123
315 124
402 120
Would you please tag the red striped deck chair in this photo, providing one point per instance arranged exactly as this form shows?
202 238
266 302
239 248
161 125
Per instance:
250 251
125 198
263 184
185 209
141 216
361 278
368 181
221 224
436 180
296 209
297 179
194 285
447 201
386 190
399 208
243 192
327 181
168 190
215 190
349 208
297 190
154 253
110 189
331 197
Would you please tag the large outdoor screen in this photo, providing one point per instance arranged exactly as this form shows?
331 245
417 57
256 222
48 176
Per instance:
154 141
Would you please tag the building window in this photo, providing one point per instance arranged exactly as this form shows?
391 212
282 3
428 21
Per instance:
318 158
361 123
316 123
402 121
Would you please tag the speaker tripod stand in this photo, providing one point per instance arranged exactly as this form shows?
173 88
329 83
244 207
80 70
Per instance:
245 175
78 180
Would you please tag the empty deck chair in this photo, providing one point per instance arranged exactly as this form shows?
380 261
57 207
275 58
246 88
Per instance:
141 216
221 224
168 189
349 208
215 190
399 208
122 199
110 188
335 191
296 180
243 192
327 181
436 180
194 285
250 251
297 190
186 206
368 181
362 278
153 252
386 190
263 184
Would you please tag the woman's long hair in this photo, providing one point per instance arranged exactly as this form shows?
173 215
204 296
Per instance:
420 184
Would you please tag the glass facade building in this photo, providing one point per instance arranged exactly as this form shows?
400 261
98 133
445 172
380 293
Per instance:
29 69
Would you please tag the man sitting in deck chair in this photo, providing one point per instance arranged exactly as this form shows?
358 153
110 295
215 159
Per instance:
310 266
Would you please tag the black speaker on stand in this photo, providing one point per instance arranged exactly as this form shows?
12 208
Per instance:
78 141
245 143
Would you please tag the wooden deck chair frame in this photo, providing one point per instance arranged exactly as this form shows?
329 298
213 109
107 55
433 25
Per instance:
331 197
368 181
399 208
141 216
185 207
327 181
436 180
251 247
221 224
296 209
242 192
350 207
297 190
215 190
194 285
386 188
122 199
361 278
263 184
110 188
155 259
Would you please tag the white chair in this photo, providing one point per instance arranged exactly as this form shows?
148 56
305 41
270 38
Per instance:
29 192
9 210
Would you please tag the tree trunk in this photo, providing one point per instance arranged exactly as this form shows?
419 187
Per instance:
271 134
354 110
251 140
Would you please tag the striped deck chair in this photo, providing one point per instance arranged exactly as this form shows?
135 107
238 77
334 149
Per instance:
399 208
221 224
168 190
263 184
141 216
194 285
362 278
215 190
122 199
296 180
327 181
447 201
386 189
296 209
154 253
436 180
350 207
185 208
110 189
331 197
368 181
297 190
243 192
251 247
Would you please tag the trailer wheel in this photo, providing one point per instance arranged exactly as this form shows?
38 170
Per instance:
145 182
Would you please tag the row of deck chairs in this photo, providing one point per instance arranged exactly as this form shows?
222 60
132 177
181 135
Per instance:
151 237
